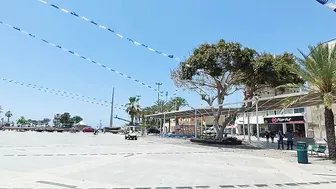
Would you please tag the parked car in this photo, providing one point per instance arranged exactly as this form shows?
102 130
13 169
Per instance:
88 130
131 136
153 130
210 131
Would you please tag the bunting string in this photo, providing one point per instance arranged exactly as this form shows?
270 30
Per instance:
137 43
74 96
78 55
58 92
332 6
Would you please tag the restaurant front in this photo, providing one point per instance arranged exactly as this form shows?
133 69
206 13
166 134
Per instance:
296 124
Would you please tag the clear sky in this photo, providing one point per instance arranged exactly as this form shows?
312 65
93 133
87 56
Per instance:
172 26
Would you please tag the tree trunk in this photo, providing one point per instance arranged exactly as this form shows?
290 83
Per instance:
132 120
330 131
8 119
176 118
168 125
217 115
248 95
219 132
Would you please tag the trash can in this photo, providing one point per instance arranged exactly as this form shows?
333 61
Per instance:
302 152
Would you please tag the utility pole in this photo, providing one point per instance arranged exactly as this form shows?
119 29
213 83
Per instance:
112 102
100 124
158 102
158 90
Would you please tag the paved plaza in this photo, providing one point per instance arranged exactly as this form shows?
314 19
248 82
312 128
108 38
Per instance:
67 160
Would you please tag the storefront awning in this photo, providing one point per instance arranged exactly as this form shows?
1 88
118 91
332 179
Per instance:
302 99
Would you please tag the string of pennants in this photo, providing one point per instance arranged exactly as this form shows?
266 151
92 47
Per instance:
137 43
327 4
81 56
78 55
57 92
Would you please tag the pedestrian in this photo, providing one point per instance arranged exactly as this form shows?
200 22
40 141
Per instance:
267 136
289 136
280 137
272 136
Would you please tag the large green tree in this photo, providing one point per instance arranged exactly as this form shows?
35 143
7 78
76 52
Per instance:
133 108
76 119
211 71
266 71
46 121
318 69
65 118
21 121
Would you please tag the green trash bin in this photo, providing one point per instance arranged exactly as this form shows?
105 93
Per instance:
302 152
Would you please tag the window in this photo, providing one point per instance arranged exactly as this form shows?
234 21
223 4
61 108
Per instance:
263 113
288 111
270 112
298 110
277 112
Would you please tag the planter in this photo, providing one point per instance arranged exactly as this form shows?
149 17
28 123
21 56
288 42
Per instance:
228 141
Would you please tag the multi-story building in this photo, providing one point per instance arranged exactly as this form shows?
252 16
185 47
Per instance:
305 121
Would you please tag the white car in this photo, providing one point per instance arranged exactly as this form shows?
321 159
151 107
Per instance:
210 131
131 136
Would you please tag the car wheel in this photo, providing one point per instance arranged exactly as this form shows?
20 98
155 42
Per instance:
136 138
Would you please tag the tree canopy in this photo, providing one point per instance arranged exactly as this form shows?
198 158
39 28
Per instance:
133 108
218 70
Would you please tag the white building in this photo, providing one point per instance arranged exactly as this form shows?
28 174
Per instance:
304 122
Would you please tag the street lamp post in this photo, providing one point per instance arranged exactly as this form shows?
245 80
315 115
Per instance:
158 101
158 90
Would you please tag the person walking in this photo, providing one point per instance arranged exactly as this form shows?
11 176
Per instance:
272 136
280 137
289 136
267 136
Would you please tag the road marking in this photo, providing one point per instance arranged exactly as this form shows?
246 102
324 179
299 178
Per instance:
56 184
129 155
261 185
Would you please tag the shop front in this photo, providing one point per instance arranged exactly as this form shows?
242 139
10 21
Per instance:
295 124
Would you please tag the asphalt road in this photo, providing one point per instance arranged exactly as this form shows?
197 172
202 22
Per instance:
83 160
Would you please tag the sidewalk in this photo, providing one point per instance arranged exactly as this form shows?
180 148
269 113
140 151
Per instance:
263 143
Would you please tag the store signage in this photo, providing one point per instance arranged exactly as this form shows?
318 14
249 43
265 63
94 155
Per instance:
291 119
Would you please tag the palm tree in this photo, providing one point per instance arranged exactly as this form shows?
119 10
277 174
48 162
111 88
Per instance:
133 108
21 121
8 114
56 120
178 103
318 69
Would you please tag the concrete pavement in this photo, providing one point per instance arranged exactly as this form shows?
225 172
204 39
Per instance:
82 160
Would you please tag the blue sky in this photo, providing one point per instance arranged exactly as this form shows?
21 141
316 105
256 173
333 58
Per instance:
173 26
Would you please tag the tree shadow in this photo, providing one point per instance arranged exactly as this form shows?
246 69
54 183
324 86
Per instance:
223 146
